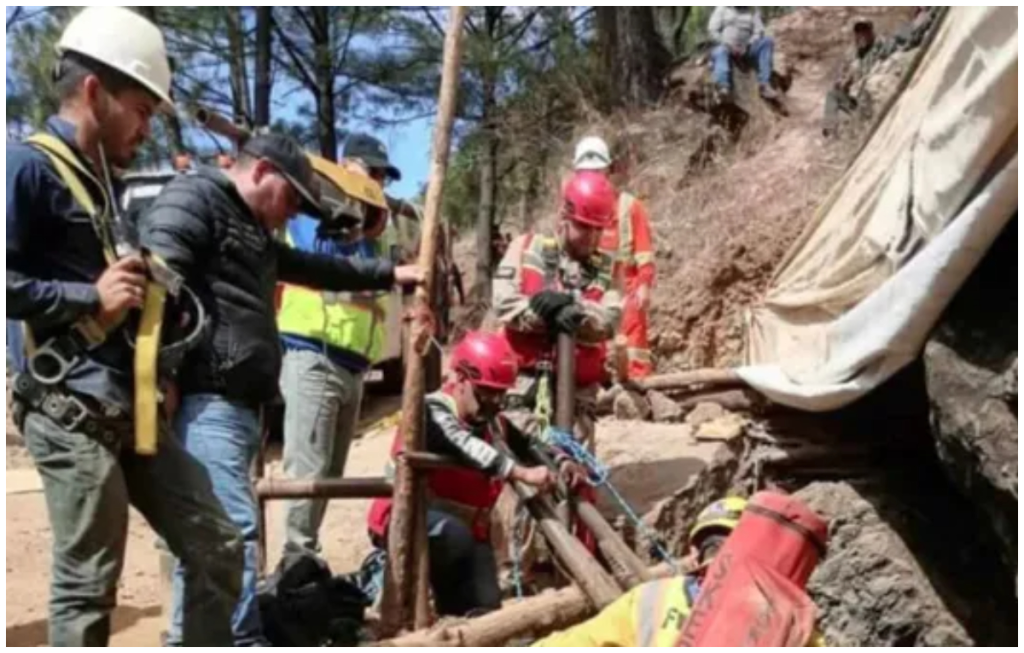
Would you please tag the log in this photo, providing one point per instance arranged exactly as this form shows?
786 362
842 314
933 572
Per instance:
403 541
533 618
719 378
346 488
584 570
628 569
734 401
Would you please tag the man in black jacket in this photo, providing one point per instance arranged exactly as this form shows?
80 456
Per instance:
215 228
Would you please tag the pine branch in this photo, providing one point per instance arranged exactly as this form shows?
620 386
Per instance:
293 53
14 17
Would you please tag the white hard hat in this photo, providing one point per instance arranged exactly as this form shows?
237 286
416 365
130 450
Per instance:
592 154
124 41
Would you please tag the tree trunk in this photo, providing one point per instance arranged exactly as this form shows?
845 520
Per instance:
487 208
326 113
608 45
486 211
238 65
264 44
641 59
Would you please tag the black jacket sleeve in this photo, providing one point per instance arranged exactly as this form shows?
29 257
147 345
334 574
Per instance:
332 273
446 434
175 231
30 198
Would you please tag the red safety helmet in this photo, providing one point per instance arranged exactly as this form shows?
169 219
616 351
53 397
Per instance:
590 199
486 360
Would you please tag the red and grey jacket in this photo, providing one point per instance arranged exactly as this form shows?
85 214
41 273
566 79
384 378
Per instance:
535 264
472 491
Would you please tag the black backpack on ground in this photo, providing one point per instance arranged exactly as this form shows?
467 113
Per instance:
303 604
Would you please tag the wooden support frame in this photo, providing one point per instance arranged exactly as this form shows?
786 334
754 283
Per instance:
407 550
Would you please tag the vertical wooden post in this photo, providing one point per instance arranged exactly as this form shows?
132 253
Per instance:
403 539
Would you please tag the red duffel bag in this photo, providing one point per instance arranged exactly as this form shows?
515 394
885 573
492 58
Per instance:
755 590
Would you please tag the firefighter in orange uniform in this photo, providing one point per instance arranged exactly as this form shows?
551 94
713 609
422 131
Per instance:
629 242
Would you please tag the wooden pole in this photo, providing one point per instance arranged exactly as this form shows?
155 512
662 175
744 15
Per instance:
535 617
718 378
403 540
583 569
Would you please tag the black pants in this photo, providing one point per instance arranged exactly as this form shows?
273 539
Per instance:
463 571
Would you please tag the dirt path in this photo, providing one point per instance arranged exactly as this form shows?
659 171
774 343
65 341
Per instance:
651 461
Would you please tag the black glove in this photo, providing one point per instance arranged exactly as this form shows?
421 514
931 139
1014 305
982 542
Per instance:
569 320
548 304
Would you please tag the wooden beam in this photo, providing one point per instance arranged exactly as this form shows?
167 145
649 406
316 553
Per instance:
345 488
404 560
723 378
531 619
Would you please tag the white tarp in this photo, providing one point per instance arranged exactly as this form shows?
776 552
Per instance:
857 297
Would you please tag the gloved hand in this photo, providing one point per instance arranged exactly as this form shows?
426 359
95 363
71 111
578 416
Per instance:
548 304
569 319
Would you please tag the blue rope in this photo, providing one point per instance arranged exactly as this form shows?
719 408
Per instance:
599 476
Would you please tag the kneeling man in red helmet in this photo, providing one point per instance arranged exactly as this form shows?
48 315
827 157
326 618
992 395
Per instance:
464 421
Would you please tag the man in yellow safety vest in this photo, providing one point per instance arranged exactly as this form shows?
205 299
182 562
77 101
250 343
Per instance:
332 339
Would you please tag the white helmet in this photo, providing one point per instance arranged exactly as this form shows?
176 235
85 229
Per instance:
592 154
124 41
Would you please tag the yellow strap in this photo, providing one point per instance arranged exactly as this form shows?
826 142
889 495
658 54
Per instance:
147 351
70 170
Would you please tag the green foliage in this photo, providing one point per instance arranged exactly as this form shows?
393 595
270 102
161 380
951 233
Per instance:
31 64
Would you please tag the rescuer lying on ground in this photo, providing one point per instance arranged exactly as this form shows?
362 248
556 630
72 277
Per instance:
464 421
653 615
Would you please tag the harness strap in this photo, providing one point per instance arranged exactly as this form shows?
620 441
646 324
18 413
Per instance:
63 352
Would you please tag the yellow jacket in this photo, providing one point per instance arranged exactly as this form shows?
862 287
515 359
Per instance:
651 616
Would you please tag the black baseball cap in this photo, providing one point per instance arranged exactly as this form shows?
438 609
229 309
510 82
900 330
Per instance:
372 152
285 154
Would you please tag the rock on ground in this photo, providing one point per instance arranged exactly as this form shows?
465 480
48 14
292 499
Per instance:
663 409
631 407
704 413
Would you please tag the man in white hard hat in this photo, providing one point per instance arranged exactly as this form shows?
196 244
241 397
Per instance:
629 242
75 294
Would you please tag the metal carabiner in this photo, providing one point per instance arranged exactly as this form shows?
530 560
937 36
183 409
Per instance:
49 367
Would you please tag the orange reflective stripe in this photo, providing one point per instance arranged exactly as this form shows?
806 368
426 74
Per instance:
626 202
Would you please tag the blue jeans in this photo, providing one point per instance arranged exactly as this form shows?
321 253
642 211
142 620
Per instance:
225 438
761 53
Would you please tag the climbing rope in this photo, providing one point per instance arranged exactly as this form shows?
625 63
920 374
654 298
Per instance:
599 477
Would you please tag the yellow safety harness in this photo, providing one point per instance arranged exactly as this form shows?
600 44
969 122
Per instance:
90 333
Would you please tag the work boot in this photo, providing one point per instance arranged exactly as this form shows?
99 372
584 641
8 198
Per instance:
768 93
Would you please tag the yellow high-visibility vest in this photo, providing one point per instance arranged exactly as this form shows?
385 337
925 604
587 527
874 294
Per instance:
352 322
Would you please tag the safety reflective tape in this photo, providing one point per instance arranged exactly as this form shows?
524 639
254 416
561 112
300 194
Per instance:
639 354
147 351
